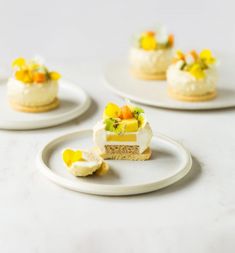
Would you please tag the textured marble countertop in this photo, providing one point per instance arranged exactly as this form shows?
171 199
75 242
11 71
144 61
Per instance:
197 214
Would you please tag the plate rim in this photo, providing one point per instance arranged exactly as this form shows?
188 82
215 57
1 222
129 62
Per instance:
124 95
107 189
55 119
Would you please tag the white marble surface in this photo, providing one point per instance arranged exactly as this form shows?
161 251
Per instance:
195 215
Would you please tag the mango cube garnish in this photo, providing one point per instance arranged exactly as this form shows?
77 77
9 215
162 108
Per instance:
54 76
130 125
70 156
32 71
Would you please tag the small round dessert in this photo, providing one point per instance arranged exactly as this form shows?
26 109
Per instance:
83 163
123 134
192 77
32 88
151 55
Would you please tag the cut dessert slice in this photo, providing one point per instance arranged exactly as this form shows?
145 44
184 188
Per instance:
123 139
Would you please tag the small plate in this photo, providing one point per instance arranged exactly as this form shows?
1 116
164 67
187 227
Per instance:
154 93
73 102
169 163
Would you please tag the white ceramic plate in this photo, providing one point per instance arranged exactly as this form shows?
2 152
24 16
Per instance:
169 163
73 102
153 93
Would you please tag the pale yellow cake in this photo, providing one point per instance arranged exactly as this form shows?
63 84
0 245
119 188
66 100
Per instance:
32 88
192 77
123 134
151 54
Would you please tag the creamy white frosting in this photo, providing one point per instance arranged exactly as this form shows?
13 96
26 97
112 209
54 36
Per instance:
184 83
150 62
84 168
144 136
32 94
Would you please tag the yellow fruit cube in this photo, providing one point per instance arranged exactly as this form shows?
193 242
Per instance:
130 125
54 76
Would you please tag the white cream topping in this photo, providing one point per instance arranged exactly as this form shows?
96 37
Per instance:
32 94
150 62
143 137
184 83
84 168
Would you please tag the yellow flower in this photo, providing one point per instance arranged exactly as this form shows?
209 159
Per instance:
112 111
54 76
148 41
19 62
207 56
197 71
70 156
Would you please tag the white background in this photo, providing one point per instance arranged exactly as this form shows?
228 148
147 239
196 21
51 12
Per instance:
78 37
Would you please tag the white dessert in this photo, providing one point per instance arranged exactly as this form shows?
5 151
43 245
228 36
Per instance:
150 62
33 94
91 162
141 138
183 83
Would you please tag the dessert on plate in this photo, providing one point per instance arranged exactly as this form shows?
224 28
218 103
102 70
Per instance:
32 87
123 134
192 76
82 163
151 54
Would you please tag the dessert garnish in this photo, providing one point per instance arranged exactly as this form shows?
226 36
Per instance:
195 63
155 39
32 71
123 119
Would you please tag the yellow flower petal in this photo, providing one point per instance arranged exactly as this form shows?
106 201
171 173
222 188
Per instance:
148 41
112 110
196 71
54 76
69 156
207 56
19 62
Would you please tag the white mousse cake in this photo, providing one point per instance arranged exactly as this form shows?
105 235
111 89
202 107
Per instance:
151 54
123 134
82 163
32 88
192 77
